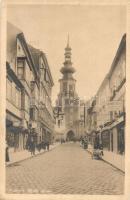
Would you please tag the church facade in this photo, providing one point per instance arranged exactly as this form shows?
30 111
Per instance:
67 104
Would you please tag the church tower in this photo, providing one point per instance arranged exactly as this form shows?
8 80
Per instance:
68 100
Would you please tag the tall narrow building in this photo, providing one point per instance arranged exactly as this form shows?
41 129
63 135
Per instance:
68 101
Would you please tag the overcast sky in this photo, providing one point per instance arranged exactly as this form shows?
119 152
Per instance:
95 33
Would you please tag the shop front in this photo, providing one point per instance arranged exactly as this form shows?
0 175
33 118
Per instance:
14 137
105 139
121 138
118 136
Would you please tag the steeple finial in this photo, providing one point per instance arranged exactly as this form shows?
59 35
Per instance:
68 40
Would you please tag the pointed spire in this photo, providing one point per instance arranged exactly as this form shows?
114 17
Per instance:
67 68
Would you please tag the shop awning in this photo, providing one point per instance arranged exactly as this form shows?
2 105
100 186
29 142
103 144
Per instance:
15 130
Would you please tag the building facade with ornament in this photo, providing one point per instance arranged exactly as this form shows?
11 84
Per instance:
29 111
105 112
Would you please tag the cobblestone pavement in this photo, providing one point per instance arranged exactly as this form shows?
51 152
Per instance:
68 169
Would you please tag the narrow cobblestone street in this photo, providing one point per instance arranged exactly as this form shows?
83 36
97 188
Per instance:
68 169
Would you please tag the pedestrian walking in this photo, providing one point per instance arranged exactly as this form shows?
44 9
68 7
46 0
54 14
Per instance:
101 149
85 143
61 141
43 145
27 144
47 145
32 146
7 153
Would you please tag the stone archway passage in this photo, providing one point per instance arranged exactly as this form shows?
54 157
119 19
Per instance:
70 135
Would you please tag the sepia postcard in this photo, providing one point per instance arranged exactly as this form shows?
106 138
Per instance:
64 91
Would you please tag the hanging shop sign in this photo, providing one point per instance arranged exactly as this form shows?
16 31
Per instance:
115 105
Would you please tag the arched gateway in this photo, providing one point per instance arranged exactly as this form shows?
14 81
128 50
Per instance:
70 136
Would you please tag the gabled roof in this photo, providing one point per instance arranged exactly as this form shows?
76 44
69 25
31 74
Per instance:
12 32
36 54
13 76
122 47
47 65
32 53
28 53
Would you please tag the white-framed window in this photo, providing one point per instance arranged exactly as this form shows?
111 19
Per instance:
21 68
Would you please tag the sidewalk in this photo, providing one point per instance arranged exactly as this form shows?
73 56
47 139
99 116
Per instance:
25 154
112 158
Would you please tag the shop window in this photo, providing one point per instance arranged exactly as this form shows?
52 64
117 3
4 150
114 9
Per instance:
121 141
111 141
106 140
10 139
96 142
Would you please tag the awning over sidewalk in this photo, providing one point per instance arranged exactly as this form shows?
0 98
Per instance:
14 129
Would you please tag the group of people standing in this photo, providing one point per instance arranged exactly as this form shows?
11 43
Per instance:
31 146
84 142
97 147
